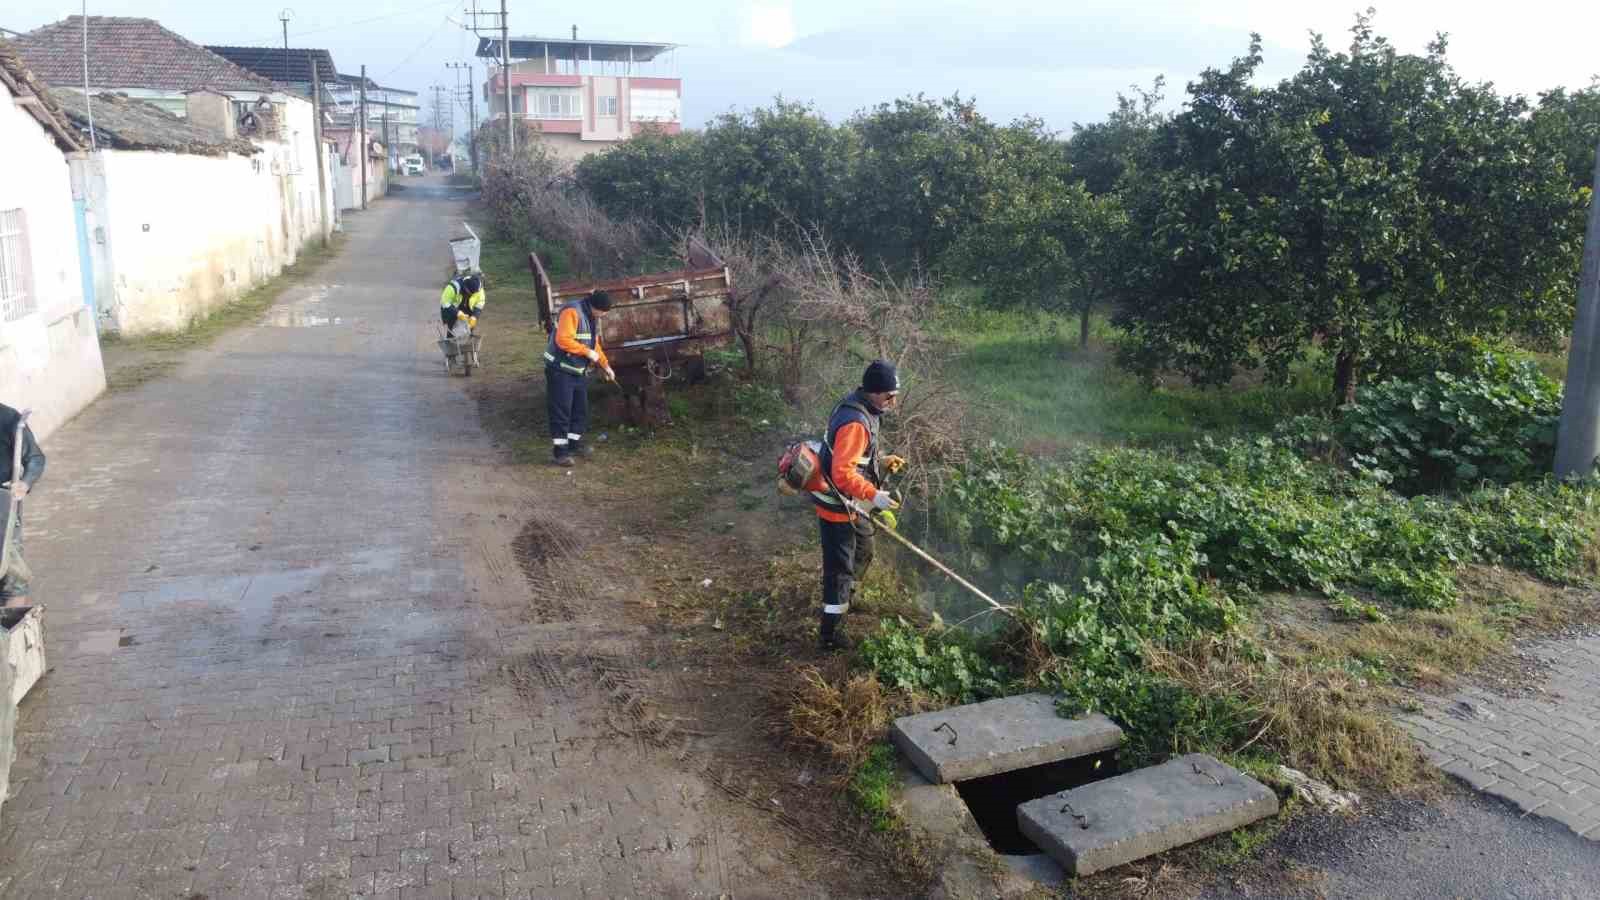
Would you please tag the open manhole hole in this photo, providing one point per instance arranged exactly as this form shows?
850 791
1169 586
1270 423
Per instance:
993 799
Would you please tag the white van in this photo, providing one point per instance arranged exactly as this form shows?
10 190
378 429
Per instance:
412 165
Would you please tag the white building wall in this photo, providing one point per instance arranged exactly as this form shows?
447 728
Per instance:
179 235
50 358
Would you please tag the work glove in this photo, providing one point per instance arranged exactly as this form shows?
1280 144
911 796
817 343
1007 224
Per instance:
895 464
609 374
594 355
888 520
883 500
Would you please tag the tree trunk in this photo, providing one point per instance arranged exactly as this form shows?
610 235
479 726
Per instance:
1345 374
1083 327
748 342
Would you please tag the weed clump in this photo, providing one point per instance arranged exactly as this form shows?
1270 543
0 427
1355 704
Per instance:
844 717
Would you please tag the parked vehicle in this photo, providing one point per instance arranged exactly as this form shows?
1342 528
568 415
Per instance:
412 165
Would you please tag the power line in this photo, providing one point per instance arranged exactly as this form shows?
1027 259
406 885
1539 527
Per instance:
381 18
431 38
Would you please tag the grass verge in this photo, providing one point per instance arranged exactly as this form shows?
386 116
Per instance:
872 787
1032 386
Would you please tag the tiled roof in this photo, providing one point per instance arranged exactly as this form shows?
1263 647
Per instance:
28 93
292 66
126 53
125 124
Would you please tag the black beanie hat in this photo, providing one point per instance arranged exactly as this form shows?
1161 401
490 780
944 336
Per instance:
880 378
600 300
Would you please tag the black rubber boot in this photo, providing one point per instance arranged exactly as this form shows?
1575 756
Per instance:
581 448
562 457
830 636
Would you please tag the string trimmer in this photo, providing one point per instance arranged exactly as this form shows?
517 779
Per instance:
893 532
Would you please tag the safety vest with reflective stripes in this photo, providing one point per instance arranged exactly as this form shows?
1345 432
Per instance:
452 296
853 408
567 362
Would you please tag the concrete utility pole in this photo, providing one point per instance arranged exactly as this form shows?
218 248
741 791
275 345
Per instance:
464 95
364 137
505 70
1578 442
438 119
316 132
284 17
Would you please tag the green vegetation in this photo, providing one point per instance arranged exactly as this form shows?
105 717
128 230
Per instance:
945 666
1030 385
1245 410
872 787
1495 423
1124 561
1333 210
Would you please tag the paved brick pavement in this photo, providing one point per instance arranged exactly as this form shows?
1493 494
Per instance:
291 643
1540 752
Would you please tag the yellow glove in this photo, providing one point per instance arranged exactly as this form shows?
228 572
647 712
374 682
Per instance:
887 518
895 464
472 322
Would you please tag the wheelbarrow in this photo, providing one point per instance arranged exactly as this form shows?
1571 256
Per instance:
460 348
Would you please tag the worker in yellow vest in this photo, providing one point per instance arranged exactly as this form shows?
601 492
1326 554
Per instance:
463 297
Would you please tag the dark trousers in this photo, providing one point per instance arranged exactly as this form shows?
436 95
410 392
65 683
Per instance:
846 554
567 400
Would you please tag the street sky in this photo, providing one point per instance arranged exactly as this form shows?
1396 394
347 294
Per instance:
1063 62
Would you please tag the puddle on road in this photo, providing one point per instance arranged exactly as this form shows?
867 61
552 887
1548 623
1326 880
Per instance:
252 596
307 312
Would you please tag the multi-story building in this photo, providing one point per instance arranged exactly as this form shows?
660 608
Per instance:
391 114
585 96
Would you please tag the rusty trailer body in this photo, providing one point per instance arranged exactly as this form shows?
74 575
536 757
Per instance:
661 319
659 324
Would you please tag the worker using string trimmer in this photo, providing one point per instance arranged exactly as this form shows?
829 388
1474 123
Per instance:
573 349
853 464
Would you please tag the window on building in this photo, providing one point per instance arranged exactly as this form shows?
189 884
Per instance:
555 103
16 276
653 105
608 107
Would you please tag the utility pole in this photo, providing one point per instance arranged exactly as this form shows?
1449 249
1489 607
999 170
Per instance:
438 118
465 95
284 17
505 65
505 71
316 132
1578 441
363 137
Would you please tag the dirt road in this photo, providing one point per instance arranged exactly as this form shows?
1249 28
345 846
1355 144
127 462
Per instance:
311 638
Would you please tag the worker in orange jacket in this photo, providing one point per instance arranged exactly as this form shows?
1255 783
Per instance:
574 348
855 466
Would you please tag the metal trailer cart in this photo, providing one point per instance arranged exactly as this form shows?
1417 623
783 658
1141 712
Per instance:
661 322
